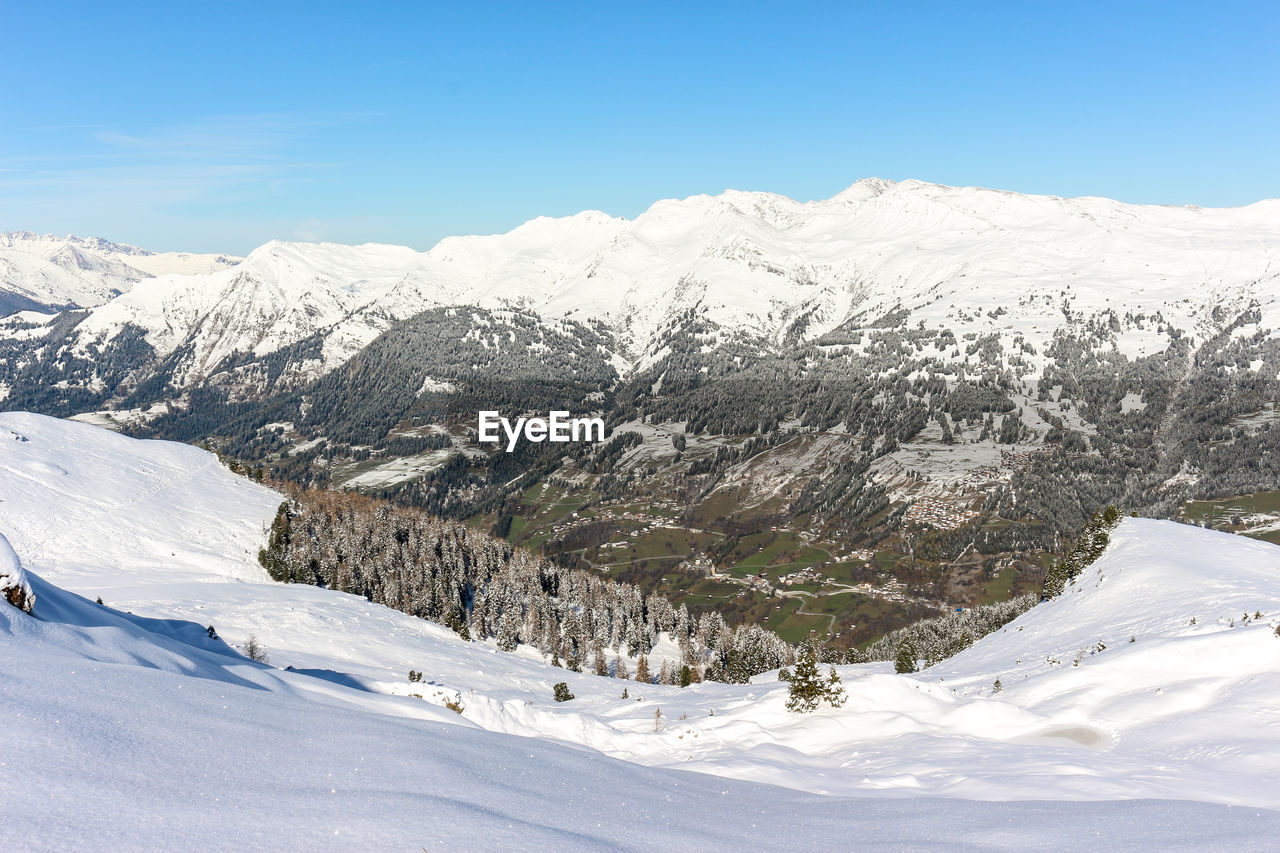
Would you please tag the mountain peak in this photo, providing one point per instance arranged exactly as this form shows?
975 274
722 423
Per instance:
863 189
31 241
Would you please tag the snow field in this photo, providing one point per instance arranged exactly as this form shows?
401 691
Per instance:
153 729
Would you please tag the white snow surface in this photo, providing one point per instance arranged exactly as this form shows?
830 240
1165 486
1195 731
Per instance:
753 262
13 579
125 725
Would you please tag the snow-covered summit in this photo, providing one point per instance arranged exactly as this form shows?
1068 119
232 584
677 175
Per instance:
754 263
46 272
31 242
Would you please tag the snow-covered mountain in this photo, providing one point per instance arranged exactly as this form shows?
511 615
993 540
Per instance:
48 273
1137 704
1031 355
972 260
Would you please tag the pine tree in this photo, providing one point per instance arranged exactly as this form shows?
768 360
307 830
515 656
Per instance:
668 674
835 694
457 621
806 686
715 670
1087 548
272 557
561 692
600 666
508 632
484 588
642 669
906 660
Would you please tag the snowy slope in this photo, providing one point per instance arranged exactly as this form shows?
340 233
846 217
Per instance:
162 530
49 273
754 263
15 586
120 733
163 736
280 294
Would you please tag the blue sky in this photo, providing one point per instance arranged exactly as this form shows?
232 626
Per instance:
216 127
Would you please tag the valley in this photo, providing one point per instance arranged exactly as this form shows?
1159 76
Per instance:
897 426
691 427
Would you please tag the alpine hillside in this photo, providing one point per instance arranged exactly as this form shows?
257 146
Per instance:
837 415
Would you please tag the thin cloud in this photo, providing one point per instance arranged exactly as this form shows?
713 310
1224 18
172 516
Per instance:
238 137
210 160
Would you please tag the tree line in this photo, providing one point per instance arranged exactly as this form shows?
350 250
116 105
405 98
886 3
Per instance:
485 588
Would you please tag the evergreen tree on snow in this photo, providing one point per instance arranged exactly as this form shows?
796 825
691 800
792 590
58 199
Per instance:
508 632
1087 548
807 687
483 588
835 690
943 636
906 660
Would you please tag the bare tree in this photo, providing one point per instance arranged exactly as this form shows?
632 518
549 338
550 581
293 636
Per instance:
255 651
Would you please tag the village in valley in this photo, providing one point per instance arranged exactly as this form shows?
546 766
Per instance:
738 549
944 515
797 578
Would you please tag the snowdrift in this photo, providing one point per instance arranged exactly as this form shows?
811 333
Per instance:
14 586
1139 704
159 737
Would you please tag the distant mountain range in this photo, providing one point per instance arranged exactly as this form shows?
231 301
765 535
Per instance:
763 365
48 273
754 264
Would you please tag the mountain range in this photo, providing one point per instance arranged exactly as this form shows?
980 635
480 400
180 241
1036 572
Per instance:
48 273
754 264
903 384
